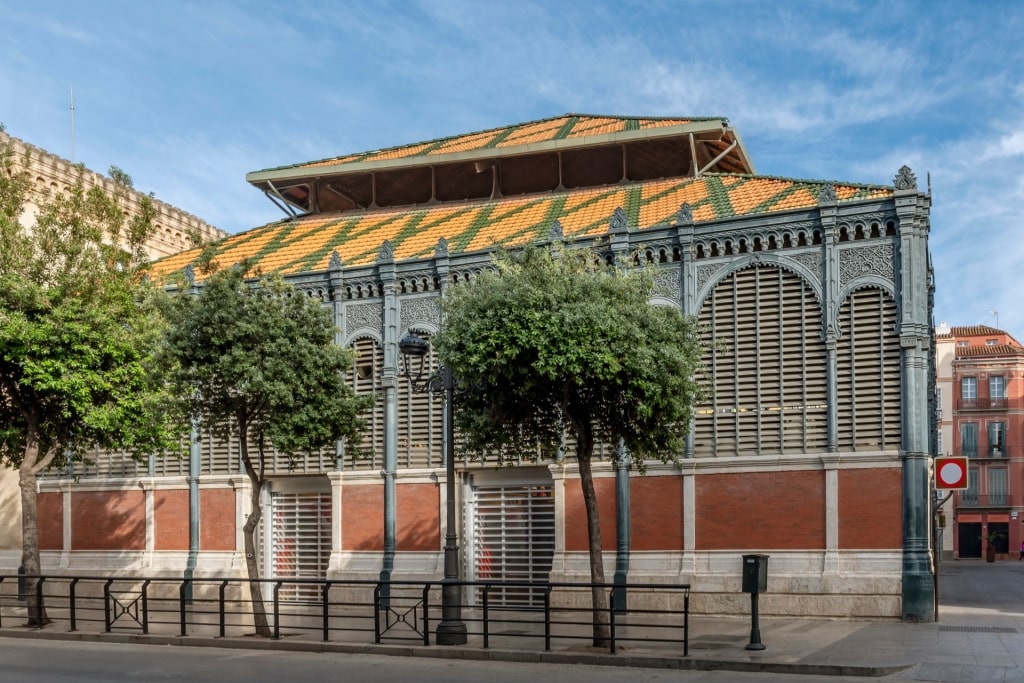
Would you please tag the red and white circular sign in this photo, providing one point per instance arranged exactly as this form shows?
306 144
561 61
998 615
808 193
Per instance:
950 473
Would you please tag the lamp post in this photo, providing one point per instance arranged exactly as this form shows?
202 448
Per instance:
451 630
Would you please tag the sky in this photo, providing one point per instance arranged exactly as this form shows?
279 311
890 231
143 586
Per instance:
188 97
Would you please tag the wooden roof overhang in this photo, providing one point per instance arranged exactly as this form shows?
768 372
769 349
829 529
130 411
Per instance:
428 173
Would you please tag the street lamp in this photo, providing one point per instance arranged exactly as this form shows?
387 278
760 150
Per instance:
451 630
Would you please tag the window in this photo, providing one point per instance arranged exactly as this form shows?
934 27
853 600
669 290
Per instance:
938 444
969 388
997 486
996 439
969 439
962 344
970 496
991 342
997 387
938 404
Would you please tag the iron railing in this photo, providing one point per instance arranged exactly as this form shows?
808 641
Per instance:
657 615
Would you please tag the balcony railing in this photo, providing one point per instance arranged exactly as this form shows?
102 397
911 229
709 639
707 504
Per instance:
981 404
990 453
968 499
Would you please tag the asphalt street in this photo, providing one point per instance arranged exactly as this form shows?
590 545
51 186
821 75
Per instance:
47 661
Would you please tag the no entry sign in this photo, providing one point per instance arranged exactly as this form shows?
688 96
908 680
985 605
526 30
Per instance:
950 473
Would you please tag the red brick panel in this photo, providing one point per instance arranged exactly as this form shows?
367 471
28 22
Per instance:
217 519
362 517
108 520
50 511
576 514
761 511
871 508
656 515
418 524
170 519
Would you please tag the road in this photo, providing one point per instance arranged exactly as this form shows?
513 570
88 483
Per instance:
47 661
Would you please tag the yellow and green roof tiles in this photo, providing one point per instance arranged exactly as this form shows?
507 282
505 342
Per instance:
305 244
567 127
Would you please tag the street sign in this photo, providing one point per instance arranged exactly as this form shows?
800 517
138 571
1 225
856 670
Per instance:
950 473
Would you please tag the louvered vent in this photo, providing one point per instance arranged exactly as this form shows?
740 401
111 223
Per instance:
868 372
366 380
300 541
766 367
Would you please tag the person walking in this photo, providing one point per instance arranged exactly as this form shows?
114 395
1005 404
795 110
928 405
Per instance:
1021 552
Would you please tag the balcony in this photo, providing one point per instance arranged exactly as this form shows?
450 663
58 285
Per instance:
981 404
970 499
991 453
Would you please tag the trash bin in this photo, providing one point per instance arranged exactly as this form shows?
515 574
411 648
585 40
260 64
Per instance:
755 573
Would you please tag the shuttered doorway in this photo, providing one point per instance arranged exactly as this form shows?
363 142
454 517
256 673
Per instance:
513 540
300 542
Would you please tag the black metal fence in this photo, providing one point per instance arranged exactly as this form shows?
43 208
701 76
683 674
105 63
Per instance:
656 615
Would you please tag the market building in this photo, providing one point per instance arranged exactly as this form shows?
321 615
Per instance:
814 446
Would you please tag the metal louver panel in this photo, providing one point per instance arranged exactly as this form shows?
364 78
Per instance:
868 372
766 363
369 452
513 540
300 542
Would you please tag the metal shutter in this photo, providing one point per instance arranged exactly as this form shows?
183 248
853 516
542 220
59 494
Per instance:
300 540
513 539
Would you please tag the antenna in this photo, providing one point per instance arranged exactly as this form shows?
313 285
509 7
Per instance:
72 124
996 314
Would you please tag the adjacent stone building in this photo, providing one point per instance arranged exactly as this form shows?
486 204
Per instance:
814 446
983 414
176 230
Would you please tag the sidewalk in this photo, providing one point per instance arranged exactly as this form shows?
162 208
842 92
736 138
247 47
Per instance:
980 637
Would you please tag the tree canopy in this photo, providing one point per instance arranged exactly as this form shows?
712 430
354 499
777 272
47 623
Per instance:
77 328
258 360
554 342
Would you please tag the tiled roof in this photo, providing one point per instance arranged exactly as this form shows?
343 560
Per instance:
985 350
976 331
565 127
305 244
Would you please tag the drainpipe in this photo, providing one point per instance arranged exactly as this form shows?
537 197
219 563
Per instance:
193 509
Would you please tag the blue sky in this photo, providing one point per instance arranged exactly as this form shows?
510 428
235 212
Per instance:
188 97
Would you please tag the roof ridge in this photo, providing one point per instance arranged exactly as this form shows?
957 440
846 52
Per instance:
806 181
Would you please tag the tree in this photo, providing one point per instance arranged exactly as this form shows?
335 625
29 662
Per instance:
258 360
554 342
77 328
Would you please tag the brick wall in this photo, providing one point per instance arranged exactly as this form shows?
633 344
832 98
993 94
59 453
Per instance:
870 509
362 517
108 520
417 523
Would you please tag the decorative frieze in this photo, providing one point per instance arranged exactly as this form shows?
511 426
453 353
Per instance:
667 283
369 315
420 310
877 259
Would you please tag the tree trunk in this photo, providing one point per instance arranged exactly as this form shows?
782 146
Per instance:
30 546
252 564
584 452
27 482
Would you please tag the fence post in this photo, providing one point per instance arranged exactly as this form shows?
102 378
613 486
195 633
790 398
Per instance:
486 615
326 606
22 588
547 618
71 592
611 620
376 613
181 608
40 608
106 604
277 610
223 609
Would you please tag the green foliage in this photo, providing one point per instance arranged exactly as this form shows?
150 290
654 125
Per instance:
555 341
77 324
260 358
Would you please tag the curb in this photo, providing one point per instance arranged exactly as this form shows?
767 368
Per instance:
474 654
